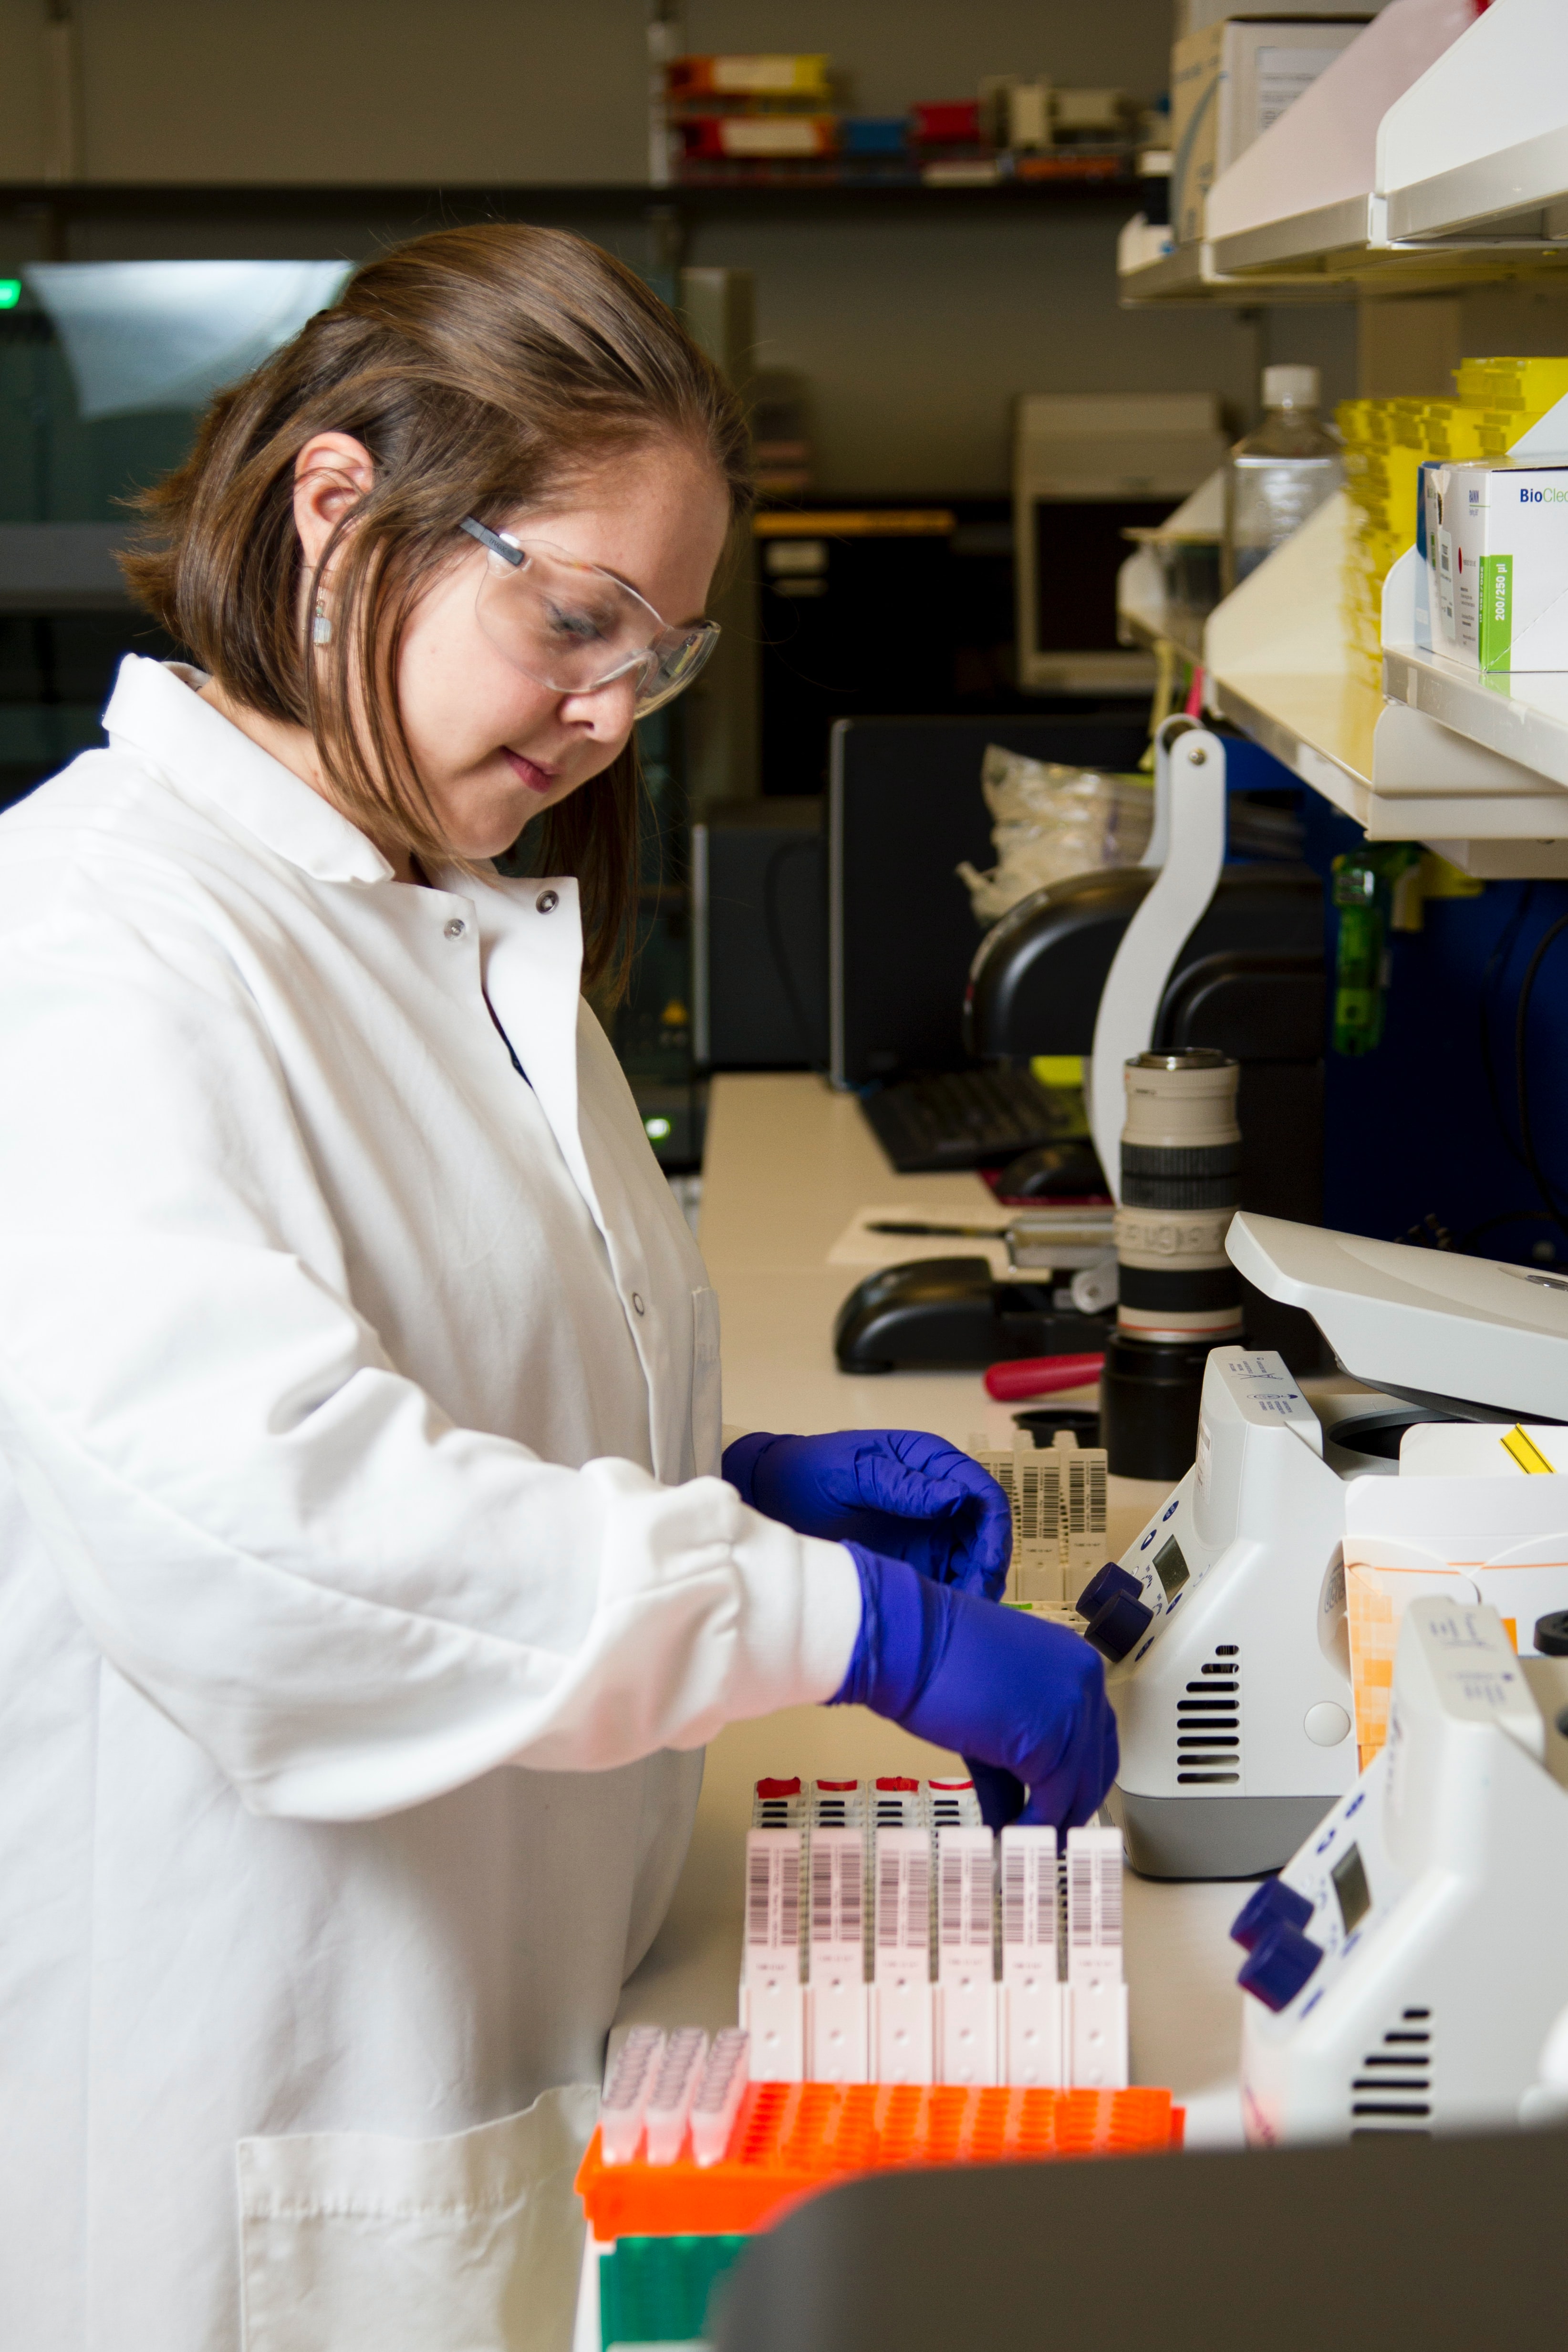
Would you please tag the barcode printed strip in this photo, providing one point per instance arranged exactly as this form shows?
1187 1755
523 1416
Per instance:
952 1899
1014 1870
916 1921
789 1899
888 1878
1110 1891
759 1883
1081 1898
773 1891
823 1923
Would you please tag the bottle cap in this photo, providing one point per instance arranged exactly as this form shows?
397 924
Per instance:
1291 387
1118 1625
1275 1969
1103 1583
1269 1906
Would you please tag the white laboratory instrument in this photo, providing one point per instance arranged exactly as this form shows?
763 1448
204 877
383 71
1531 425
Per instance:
1224 1622
1407 1966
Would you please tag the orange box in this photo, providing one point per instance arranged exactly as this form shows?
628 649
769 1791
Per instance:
791 2138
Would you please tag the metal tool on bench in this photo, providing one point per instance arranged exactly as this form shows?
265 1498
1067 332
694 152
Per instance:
950 1312
1224 1622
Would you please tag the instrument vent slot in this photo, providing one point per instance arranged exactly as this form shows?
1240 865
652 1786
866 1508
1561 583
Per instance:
1208 1723
1392 2092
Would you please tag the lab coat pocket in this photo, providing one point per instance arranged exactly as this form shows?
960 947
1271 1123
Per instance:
352 2243
707 1401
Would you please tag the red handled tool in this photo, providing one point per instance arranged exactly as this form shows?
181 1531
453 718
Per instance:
1032 1376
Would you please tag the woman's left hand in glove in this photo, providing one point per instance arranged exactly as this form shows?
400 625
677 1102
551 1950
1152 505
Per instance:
899 1492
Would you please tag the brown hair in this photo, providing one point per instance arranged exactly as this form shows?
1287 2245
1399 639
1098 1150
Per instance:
483 369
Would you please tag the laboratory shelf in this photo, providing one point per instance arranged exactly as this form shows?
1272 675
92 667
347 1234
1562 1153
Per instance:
1430 153
1277 664
1519 192
1522 718
1186 274
1478 147
1324 254
1439 757
1345 247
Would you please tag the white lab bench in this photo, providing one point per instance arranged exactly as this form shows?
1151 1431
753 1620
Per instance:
789 1164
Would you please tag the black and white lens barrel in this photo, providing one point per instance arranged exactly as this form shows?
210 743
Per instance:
1180 1159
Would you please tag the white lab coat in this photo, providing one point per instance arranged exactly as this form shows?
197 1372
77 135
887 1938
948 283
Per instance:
358 1407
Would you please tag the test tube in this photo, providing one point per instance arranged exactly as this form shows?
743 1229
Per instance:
773 2008
966 1984
1095 1983
901 2005
624 2104
953 1805
719 2095
1031 2026
673 2091
837 2006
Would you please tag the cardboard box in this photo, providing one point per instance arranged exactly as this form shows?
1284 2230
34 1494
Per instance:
1496 559
1228 83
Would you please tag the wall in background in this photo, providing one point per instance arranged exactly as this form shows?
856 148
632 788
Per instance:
915 325
315 91
916 332
474 91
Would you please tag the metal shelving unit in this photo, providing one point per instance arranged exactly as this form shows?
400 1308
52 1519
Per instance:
1459 178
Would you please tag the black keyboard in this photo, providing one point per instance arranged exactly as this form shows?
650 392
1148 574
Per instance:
965 1118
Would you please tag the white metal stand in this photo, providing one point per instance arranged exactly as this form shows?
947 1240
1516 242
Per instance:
1188 846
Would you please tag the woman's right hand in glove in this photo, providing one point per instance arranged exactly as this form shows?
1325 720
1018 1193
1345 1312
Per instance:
1007 1691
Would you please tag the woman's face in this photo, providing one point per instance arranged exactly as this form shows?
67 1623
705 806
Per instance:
492 747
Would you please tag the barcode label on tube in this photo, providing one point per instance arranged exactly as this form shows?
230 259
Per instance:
1094 1902
965 1903
903 1895
1028 1899
772 1890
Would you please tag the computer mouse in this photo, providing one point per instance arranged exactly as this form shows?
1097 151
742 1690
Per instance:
1054 1171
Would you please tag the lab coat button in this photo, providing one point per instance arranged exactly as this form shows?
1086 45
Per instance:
456 928
546 900
636 1302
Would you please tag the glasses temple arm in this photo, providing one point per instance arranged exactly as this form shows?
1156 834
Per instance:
492 539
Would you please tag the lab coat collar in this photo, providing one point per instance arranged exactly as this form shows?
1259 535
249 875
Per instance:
155 711
533 975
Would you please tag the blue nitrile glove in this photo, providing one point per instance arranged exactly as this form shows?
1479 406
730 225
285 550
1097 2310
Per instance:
1020 1698
900 1492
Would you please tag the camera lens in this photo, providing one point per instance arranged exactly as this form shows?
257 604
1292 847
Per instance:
1180 1157
1178 1293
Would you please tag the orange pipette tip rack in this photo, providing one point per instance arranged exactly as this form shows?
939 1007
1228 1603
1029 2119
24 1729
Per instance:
793 2137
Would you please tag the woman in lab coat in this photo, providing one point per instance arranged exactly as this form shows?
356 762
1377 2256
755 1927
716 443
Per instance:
359 1380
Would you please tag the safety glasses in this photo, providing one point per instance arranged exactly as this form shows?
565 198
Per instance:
575 629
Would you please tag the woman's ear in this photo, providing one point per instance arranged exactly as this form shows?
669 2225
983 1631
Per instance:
332 474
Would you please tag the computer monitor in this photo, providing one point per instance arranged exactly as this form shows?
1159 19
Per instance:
1087 468
904 806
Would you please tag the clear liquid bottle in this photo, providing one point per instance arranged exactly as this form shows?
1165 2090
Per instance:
1276 476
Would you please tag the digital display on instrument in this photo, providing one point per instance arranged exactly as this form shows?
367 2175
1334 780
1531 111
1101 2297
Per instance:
1350 1884
1170 1567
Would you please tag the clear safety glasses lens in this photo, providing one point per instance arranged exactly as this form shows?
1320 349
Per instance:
575 629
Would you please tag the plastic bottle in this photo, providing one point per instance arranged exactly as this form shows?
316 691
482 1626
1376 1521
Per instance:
1276 476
